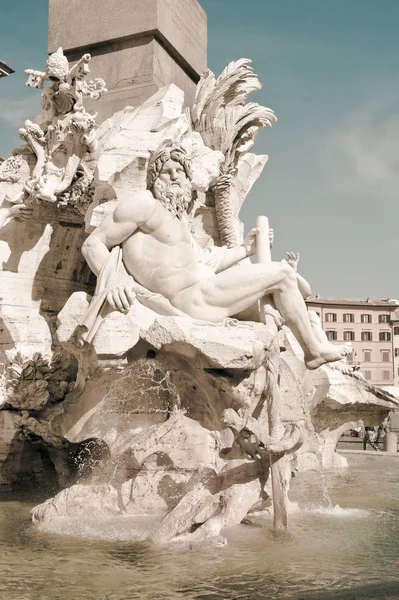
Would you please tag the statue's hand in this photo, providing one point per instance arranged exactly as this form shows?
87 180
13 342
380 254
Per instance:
121 297
278 319
271 237
293 260
21 212
250 242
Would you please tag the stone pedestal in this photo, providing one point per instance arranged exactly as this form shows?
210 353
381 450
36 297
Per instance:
390 442
137 46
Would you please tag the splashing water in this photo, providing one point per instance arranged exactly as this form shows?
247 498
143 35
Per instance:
347 551
324 486
323 480
338 511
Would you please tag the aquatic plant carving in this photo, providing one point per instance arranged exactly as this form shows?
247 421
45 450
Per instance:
32 382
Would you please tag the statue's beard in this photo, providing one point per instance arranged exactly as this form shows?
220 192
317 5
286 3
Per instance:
176 199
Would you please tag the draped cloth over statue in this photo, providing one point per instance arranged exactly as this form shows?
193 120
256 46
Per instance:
113 273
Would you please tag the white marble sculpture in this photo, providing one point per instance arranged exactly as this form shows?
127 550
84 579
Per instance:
160 253
63 131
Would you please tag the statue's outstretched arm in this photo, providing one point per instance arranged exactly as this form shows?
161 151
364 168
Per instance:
234 255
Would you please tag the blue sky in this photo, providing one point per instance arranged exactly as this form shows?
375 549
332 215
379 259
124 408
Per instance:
330 70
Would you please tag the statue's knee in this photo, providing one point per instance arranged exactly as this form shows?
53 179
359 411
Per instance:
314 317
287 272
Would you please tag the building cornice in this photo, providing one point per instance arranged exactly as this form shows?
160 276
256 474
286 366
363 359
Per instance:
345 303
5 69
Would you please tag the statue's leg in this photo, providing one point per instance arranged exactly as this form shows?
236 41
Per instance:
234 290
313 341
318 330
237 288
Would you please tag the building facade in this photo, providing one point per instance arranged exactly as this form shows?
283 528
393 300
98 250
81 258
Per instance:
372 327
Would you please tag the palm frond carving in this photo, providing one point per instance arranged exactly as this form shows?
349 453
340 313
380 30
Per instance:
220 113
226 123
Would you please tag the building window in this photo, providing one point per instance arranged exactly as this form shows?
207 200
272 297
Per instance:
396 351
331 317
366 336
349 336
366 355
350 358
349 318
383 318
385 336
386 375
396 330
331 335
367 375
365 318
385 356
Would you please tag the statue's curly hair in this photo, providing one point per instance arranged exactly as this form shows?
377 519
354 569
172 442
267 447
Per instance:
161 156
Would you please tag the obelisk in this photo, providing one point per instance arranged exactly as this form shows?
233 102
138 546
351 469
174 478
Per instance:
137 46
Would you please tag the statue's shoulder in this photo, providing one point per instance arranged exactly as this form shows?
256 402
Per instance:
138 206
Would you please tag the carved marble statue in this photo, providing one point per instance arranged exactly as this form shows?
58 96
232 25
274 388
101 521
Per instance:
63 131
160 253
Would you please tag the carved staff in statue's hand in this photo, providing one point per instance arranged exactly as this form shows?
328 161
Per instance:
264 242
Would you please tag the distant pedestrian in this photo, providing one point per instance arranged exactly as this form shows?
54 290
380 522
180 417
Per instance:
383 428
370 437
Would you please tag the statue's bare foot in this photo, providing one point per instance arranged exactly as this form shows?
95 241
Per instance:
326 353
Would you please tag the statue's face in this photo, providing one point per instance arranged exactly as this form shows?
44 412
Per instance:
173 188
173 174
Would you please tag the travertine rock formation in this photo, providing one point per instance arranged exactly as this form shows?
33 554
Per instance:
335 399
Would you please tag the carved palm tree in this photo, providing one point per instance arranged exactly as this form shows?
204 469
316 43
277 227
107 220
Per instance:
226 123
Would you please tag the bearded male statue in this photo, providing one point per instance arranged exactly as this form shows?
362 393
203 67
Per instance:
158 252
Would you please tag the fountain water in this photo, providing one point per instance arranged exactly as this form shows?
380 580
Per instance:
346 553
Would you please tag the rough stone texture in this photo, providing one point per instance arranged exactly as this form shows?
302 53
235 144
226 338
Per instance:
21 462
157 454
234 346
192 508
75 502
139 46
181 442
42 265
126 141
332 400
9 446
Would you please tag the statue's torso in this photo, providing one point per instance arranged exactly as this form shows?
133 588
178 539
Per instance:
161 256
